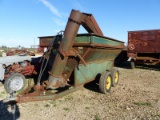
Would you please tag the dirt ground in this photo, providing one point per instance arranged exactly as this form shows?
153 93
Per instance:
136 97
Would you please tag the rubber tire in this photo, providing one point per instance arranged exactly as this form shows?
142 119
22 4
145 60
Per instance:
102 82
113 73
8 80
132 64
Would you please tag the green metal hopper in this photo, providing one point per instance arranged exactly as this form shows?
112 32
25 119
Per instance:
75 61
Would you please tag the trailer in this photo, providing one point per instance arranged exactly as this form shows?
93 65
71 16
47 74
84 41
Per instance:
144 47
71 60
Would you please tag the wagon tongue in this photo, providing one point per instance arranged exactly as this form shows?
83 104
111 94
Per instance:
13 109
11 101
13 105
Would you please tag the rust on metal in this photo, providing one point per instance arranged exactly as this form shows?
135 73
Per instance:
26 70
19 52
90 24
44 95
146 41
144 44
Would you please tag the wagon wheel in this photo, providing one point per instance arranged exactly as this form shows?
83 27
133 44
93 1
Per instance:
15 83
105 82
115 77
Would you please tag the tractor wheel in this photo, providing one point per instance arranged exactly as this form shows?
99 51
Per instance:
15 83
105 82
115 77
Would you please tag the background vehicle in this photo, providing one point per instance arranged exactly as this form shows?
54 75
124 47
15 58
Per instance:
144 47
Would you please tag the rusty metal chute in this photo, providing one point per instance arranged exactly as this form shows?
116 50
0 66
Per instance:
75 20
90 24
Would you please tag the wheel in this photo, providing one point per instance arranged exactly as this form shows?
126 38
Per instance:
132 64
115 77
105 82
14 83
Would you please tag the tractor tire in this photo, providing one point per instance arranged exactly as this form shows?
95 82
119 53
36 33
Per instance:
105 82
15 83
115 77
132 64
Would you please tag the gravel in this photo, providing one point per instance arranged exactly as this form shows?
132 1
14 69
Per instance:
136 97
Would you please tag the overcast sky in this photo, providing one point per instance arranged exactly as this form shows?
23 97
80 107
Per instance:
23 21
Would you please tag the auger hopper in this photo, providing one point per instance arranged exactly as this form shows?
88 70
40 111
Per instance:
71 61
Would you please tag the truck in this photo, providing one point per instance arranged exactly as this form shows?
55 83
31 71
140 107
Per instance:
144 47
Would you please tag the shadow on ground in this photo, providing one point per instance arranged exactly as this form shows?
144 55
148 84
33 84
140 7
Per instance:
127 65
148 67
94 85
5 112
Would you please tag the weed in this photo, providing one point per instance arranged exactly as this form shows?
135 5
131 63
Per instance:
35 104
66 109
68 98
53 103
155 115
143 104
86 107
46 105
2 94
96 117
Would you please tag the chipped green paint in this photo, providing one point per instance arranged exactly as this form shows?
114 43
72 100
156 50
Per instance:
101 54
84 74
100 40
97 39
83 39
98 59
